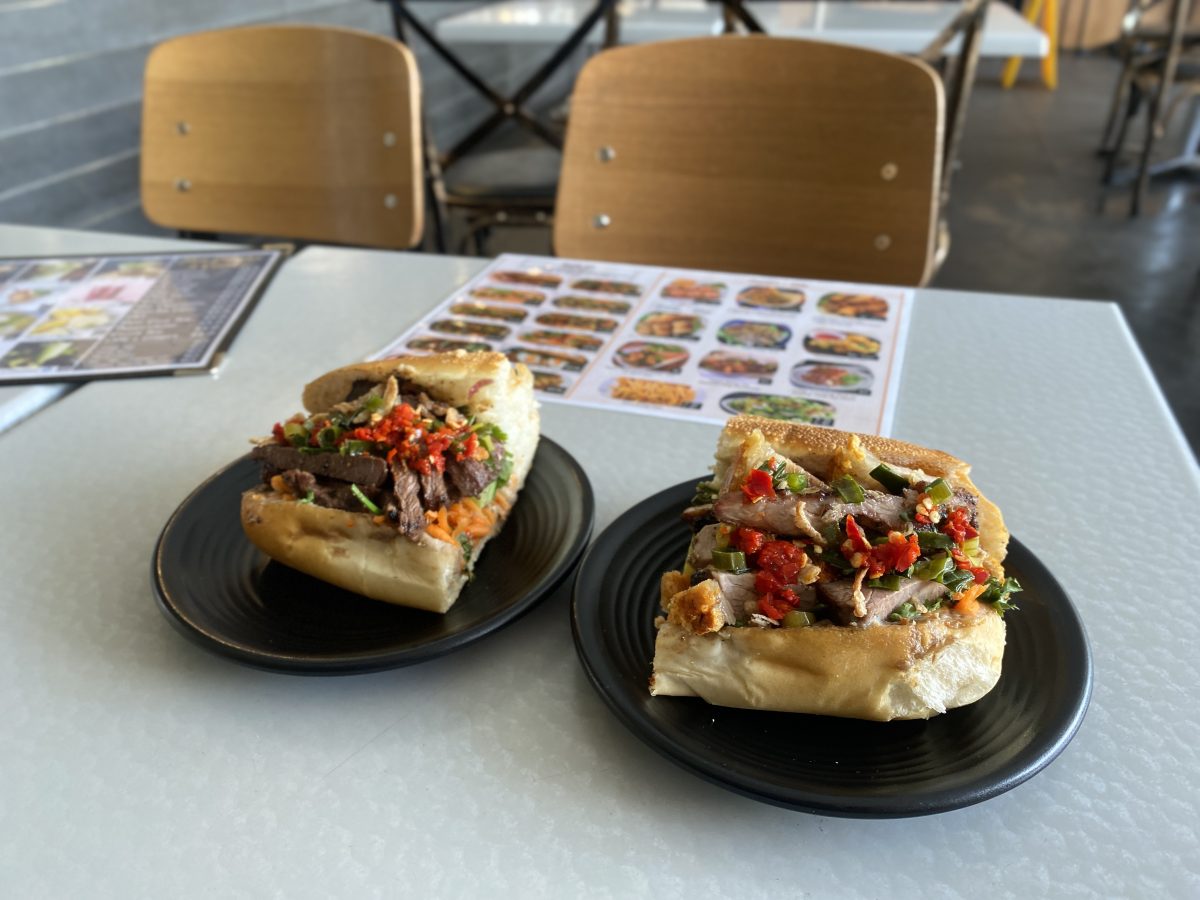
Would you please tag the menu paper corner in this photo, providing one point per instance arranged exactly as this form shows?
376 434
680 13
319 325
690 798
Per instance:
682 343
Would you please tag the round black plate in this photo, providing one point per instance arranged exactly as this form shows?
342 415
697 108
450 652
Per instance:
820 764
220 591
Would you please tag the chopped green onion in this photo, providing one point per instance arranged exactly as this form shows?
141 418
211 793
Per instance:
904 612
706 492
467 547
723 533
797 619
956 580
932 569
971 546
295 432
887 582
489 493
362 498
849 489
939 491
934 540
505 472
796 482
729 560
354 448
889 478
997 594
308 498
327 437
488 444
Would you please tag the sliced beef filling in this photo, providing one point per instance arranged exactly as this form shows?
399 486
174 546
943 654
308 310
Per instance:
468 477
405 510
880 603
433 490
365 471
327 491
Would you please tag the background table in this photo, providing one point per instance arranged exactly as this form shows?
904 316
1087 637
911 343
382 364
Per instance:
136 764
898 27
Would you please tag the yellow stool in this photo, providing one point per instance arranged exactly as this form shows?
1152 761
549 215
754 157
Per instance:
1044 14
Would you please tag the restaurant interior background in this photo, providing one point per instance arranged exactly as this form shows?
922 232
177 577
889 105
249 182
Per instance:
1028 213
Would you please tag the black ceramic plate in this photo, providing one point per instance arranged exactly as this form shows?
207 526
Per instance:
840 767
221 592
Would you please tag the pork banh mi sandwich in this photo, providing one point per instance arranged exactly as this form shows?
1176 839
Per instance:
837 574
398 475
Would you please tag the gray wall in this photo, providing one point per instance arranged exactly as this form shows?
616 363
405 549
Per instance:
70 93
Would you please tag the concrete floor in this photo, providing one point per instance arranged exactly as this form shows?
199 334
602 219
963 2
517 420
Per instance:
1028 215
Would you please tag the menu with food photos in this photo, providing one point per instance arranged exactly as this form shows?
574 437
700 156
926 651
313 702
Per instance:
75 318
682 343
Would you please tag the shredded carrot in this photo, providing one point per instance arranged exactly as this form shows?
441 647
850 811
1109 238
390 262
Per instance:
966 603
501 502
279 486
443 519
436 531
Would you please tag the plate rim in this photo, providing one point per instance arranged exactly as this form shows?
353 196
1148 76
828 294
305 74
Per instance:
1028 763
375 661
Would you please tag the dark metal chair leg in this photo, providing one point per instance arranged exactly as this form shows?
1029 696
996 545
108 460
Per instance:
1131 109
1143 172
1112 123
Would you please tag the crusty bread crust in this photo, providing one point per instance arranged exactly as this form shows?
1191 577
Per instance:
898 670
350 549
890 670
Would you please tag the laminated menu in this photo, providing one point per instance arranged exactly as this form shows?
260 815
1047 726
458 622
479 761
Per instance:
683 343
83 317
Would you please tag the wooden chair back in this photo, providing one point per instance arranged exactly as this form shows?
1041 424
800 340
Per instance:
754 154
288 131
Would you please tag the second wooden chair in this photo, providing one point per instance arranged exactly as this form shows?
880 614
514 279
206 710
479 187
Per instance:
755 154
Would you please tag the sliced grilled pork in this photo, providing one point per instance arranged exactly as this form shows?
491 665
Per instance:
880 603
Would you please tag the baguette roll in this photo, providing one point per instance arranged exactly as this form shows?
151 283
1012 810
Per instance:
434 507
838 614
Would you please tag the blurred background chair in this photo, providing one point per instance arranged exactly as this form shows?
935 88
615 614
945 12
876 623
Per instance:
297 132
498 175
755 154
1160 56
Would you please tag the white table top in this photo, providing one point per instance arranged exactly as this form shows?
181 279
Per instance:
898 27
550 21
136 764
19 402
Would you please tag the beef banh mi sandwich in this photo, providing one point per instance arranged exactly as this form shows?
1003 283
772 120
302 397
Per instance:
837 574
398 475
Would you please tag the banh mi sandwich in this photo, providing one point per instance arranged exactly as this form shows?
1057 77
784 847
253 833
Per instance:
837 574
398 475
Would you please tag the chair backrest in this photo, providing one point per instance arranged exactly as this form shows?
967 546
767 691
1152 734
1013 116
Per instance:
288 131
754 154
